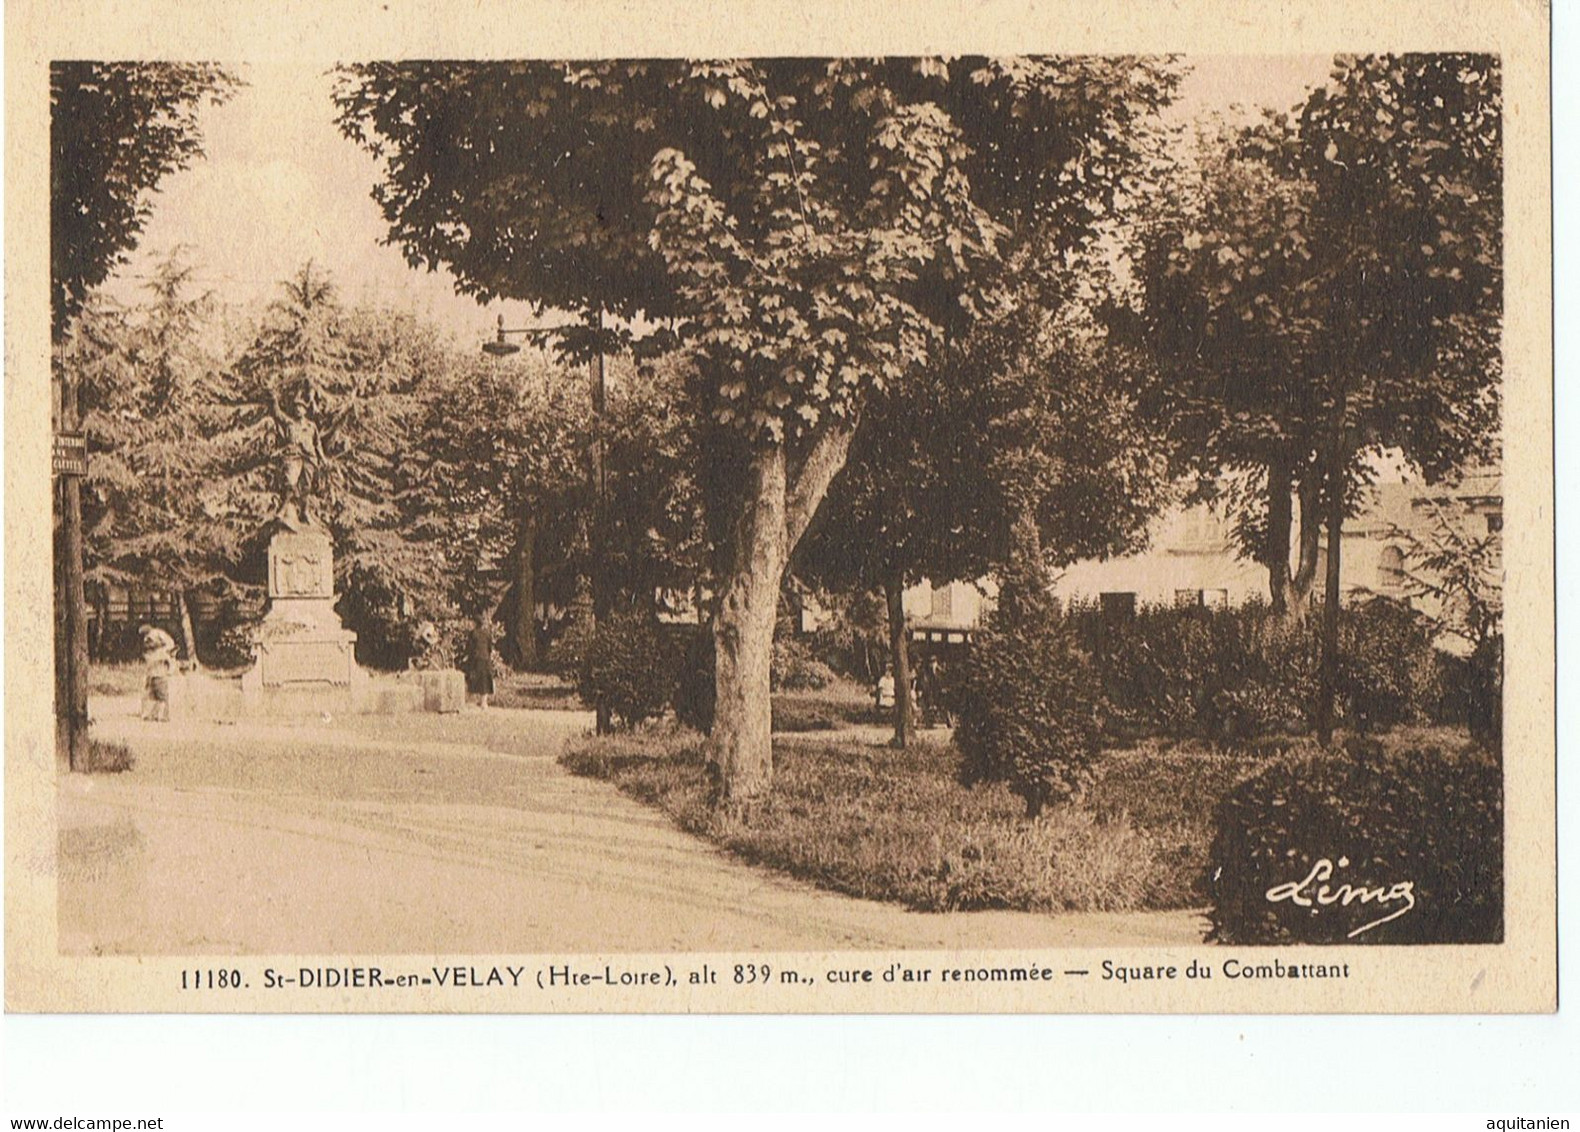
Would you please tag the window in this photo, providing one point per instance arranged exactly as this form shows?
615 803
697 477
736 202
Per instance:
1494 522
944 602
1187 599
1215 599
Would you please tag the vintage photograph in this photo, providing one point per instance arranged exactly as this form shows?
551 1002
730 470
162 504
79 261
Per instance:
629 521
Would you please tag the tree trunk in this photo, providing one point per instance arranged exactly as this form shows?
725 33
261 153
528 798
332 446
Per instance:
524 630
603 599
1328 690
1280 523
72 707
1310 543
71 656
900 656
774 514
741 747
188 637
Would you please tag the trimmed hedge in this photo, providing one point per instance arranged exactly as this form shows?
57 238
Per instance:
1232 674
628 669
1315 849
1030 707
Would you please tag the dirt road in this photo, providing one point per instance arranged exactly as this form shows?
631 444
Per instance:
437 835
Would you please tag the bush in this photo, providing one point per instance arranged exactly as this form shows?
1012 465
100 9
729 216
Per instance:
1421 830
233 646
105 757
628 669
1029 711
1233 674
567 653
695 694
796 669
1484 693
1385 649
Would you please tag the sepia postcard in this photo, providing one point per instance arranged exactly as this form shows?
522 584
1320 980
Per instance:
837 508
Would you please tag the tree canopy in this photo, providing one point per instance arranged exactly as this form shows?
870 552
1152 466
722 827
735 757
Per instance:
808 232
116 130
1327 287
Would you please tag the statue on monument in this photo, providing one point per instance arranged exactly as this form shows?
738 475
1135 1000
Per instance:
303 463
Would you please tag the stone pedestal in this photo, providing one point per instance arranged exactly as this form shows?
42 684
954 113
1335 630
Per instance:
302 647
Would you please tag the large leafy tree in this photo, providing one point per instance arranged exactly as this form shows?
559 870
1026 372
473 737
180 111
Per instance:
1295 269
365 374
1336 294
808 230
116 130
1029 440
147 378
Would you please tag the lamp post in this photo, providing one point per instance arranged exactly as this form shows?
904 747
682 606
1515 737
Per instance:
500 346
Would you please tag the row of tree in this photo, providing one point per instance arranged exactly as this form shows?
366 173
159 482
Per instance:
882 319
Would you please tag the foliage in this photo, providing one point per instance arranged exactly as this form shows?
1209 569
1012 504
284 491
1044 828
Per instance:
502 456
1029 710
106 757
1426 817
1484 692
627 669
807 231
1329 288
1384 649
796 668
1462 572
145 379
891 825
694 687
116 130
1234 674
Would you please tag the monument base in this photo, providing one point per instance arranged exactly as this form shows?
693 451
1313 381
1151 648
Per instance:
304 664
201 695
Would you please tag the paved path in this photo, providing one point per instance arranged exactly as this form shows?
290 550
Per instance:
439 835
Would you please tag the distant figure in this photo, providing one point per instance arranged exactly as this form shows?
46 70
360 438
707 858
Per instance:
883 693
159 657
480 661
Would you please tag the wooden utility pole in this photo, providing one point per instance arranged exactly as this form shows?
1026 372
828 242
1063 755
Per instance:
71 640
600 534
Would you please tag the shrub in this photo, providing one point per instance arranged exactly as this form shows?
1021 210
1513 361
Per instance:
1029 711
695 693
105 757
567 653
1484 692
1233 674
627 669
796 669
1384 649
233 646
1421 830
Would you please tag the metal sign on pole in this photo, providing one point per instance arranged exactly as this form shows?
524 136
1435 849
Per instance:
70 455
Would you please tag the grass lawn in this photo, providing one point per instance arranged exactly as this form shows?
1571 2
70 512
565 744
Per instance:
897 825
841 704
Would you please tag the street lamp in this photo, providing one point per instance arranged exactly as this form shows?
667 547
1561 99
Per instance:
500 346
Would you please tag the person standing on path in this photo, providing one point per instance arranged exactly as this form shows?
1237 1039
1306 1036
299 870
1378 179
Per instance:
480 660
159 658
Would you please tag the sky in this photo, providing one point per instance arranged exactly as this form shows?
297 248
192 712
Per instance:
280 186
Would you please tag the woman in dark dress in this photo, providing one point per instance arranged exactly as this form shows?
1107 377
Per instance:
480 661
